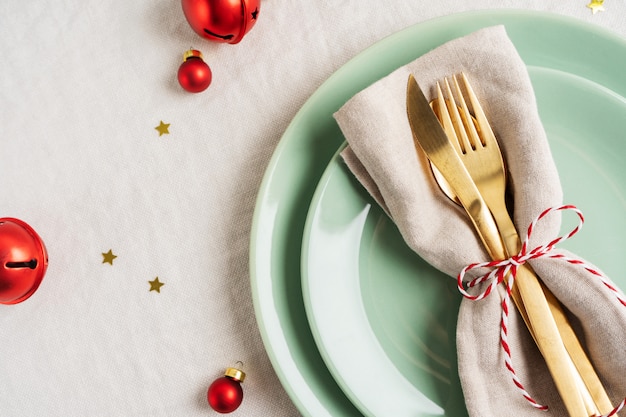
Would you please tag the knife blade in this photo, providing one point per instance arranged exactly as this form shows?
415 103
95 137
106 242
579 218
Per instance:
431 138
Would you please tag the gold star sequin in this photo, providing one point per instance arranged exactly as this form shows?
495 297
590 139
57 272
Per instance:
163 128
156 285
596 6
107 258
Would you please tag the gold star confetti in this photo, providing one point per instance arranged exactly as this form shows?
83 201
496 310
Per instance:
163 128
107 258
156 285
596 6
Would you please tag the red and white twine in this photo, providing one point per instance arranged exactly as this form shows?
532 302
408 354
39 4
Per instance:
499 270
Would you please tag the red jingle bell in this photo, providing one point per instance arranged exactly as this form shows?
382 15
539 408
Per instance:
221 20
194 75
23 261
225 394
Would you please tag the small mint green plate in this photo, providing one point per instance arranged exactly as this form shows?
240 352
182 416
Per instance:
543 40
384 320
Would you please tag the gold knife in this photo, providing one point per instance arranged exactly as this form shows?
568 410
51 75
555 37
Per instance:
430 137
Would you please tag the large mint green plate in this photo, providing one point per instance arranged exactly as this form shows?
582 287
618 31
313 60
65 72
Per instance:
543 40
384 320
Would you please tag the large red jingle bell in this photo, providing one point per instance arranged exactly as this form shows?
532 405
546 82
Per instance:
221 20
23 261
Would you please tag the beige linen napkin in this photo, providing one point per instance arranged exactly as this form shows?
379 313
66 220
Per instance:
381 154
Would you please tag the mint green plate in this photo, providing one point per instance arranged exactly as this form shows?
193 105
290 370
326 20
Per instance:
384 320
543 40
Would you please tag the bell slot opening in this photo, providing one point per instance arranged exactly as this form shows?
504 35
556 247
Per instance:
32 264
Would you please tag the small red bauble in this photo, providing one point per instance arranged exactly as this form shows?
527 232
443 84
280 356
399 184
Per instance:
225 394
23 261
221 20
194 75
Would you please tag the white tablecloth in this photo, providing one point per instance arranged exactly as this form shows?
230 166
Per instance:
83 84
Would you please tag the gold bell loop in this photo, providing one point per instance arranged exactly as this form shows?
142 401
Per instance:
236 374
192 53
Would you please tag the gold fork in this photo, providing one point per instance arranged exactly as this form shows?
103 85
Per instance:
477 146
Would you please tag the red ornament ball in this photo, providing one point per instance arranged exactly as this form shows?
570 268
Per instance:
194 75
23 261
221 20
225 394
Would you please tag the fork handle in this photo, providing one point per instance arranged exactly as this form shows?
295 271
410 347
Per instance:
542 324
578 355
569 337
549 341
571 342
541 321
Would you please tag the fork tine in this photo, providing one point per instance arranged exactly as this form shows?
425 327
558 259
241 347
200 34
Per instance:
445 120
468 120
457 121
484 128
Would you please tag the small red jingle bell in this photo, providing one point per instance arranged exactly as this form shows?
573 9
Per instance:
225 394
221 20
23 261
